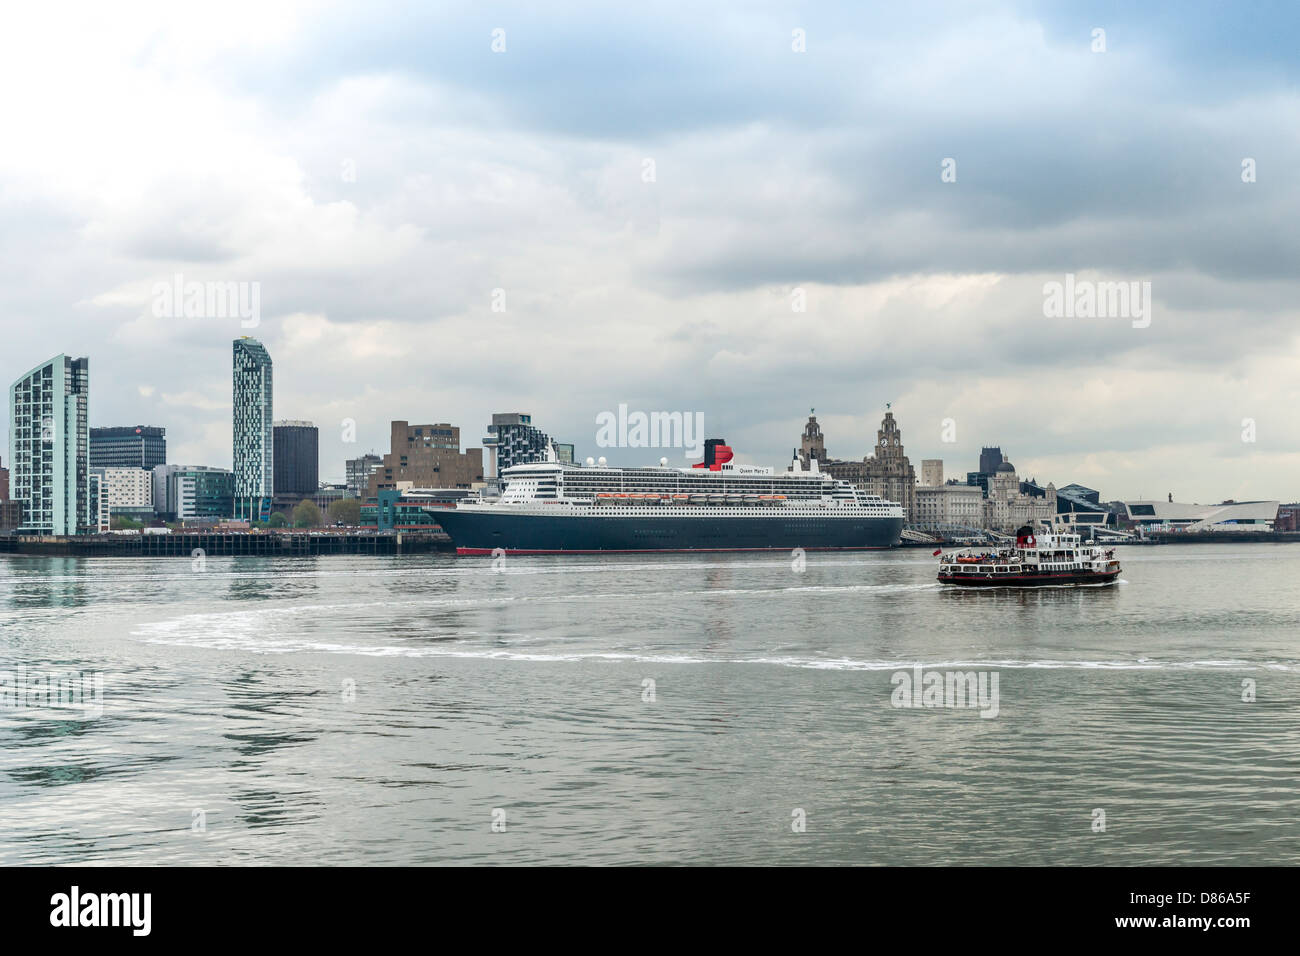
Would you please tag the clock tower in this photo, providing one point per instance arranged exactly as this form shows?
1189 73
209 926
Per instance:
886 472
889 473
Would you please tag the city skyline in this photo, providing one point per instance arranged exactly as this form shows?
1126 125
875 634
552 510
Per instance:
957 458
432 235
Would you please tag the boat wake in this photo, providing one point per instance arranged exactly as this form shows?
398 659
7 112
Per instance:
250 636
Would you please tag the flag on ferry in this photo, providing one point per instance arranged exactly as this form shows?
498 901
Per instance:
938 552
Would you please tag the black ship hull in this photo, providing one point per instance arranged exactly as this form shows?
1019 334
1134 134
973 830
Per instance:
483 532
991 579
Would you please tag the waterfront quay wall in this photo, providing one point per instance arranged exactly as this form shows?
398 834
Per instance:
1191 537
226 544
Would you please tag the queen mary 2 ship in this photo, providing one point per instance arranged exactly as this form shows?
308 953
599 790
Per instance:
559 508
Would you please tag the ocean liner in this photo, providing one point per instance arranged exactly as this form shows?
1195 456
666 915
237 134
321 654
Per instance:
560 508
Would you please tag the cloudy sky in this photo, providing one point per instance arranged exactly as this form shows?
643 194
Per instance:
654 188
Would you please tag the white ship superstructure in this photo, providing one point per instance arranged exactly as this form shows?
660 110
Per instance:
558 507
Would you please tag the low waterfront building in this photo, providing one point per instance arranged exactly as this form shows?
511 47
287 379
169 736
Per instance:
11 516
948 507
410 508
4 481
1173 516
192 493
1079 508
327 494
1288 517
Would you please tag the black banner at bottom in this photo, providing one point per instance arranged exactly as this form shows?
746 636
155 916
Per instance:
945 906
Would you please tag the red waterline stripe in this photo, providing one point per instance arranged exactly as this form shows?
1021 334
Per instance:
479 552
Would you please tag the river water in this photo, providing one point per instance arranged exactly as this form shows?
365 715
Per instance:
676 709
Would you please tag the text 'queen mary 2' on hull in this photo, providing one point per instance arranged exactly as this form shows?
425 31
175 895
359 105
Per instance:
559 508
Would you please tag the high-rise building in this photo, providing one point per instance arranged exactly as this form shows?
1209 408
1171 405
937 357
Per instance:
128 446
253 435
358 472
517 441
990 458
49 446
297 458
426 456
4 482
932 472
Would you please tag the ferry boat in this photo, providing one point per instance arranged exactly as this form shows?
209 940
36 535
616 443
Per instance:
1036 560
557 507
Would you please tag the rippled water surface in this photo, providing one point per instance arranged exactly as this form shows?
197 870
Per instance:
349 710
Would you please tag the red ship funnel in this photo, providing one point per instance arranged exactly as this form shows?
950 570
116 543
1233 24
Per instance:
716 454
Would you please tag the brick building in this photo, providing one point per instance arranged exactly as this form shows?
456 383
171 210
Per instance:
426 456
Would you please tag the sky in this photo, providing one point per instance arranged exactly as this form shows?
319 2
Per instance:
743 210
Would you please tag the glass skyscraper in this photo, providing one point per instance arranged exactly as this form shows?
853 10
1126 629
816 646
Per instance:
254 439
49 447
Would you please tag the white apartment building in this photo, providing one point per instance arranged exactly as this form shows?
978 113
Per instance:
128 487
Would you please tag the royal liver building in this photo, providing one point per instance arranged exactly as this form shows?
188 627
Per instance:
887 473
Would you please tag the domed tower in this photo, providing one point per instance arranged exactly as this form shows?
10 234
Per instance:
812 446
891 474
